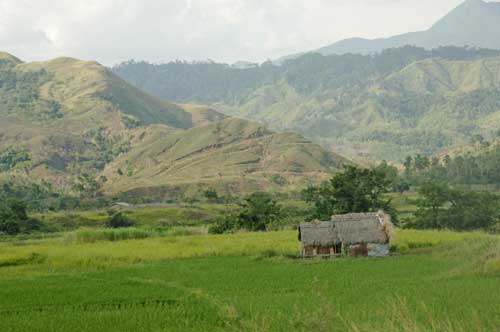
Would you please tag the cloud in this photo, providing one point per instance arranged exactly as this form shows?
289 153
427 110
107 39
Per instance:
223 30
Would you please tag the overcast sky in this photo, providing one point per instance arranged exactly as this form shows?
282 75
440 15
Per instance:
111 31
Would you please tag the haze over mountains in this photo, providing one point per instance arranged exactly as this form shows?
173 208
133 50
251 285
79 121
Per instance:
402 101
379 99
65 118
474 23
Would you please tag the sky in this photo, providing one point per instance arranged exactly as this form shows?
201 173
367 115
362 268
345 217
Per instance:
111 31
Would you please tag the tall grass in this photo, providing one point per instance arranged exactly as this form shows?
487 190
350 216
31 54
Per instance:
104 249
118 234
93 235
95 251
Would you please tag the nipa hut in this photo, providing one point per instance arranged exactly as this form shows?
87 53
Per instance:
355 234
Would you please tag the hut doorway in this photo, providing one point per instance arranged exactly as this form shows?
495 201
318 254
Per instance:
337 249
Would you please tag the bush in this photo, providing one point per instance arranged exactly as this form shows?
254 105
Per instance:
257 213
495 229
10 227
119 220
211 196
15 220
224 225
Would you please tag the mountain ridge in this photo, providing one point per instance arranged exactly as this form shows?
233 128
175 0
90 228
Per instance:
472 23
385 105
65 121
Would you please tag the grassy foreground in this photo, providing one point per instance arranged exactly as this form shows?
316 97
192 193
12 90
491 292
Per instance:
436 281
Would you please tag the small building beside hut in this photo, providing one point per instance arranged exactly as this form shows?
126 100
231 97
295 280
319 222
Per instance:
354 234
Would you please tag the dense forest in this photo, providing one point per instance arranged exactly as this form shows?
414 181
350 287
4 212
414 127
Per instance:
211 82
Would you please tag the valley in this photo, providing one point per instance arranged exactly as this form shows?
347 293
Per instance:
352 188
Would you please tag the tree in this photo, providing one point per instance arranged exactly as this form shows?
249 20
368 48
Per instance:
388 171
408 164
13 157
447 160
400 186
259 210
421 162
354 190
88 186
13 216
443 207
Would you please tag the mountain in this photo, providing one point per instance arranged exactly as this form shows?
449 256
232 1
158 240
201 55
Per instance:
402 101
66 121
72 116
473 23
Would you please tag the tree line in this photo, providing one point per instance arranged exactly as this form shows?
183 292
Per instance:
477 167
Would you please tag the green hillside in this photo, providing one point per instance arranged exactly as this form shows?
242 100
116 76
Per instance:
72 116
385 106
225 155
65 118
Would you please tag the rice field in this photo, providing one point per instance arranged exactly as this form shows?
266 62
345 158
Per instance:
434 281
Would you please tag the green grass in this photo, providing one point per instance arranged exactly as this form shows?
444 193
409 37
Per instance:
121 234
146 217
436 281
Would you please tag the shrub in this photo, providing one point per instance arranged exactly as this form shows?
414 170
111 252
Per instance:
224 225
211 195
257 213
119 220
10 227
15 220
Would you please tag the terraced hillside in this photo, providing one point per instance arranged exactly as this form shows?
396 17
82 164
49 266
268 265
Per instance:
226 155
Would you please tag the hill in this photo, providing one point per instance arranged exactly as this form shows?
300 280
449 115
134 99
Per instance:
473 23
66 121
402 101
229 155
72 116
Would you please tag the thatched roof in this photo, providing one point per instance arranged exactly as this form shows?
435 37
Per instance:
348 228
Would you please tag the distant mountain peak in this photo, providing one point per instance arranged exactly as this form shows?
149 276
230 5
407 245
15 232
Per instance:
472 23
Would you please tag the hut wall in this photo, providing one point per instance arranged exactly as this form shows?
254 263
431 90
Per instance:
378 249
356 250
312 251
